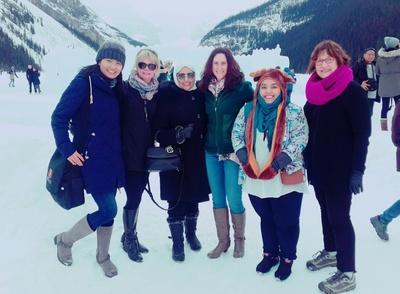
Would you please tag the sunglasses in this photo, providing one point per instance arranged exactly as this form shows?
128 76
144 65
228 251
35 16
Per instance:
182 76
150 66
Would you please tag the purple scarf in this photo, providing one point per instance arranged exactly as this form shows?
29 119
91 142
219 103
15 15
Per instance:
321 91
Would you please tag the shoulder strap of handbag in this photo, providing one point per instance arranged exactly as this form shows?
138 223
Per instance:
148 190
84 119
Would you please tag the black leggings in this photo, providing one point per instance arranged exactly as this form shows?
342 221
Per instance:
386 105
135 183
280 226
190 209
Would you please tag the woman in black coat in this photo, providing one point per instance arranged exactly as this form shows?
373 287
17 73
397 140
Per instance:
137 112
181 122
339 127
365 74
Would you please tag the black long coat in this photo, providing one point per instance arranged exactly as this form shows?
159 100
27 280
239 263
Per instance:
338 138
179 107
136 118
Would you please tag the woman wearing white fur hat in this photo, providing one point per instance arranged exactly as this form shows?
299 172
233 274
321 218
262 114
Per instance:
180 121
388 69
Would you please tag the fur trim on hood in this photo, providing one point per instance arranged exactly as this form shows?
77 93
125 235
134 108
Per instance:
388 54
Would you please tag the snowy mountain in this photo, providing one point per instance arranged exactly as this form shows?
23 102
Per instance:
298 25
31 30
83 22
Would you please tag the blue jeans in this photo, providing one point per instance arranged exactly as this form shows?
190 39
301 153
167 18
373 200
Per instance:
106 213
389 214
223 178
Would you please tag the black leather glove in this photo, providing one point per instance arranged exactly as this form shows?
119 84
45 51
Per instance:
183 133
281 161
242 156
356 185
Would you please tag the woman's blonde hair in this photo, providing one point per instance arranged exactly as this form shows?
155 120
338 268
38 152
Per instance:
147 53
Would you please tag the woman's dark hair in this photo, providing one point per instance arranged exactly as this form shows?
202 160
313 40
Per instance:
233 77
333 49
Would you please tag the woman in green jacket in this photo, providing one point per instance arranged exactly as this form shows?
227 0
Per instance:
225 94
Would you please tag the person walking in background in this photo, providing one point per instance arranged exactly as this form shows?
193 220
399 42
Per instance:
225 94
364 72
13 74
180 122
29 76
36 80
339 122
269 136
101 159
388 70
381 221
138 109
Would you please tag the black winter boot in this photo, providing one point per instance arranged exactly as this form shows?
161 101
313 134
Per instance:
130 242
130 218
176 228
267 263
284 270
190 232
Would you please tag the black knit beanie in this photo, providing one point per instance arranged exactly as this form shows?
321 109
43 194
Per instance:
112 50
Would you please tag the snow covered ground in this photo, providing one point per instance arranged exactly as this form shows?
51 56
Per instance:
29 218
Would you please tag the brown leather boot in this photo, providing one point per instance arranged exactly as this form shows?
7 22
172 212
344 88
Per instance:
239 223
221 217
384 124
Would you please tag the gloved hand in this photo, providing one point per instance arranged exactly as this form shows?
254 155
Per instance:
242 155
281 161
356 185
183 133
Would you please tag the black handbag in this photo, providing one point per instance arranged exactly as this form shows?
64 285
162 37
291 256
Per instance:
161 159
64 181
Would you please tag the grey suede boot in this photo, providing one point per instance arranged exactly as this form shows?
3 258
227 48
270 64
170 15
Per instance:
102 256
65 240
221 217
239 223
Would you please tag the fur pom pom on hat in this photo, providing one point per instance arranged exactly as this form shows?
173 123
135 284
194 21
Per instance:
112 50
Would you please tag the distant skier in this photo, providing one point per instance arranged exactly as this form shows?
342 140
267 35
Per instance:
29 74
12 74
35 80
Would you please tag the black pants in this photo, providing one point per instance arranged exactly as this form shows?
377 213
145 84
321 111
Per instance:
337 228
386 105
183 209
30 86
371 105
135 183
280 227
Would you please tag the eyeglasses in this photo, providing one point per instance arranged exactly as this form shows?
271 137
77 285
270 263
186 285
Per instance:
150 66
328 61
182 76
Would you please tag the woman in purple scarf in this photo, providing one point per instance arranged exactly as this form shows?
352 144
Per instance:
338 117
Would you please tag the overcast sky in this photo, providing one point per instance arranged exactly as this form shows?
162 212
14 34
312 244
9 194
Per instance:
169 19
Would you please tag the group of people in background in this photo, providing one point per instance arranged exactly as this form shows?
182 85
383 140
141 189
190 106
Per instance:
233 138
32 76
